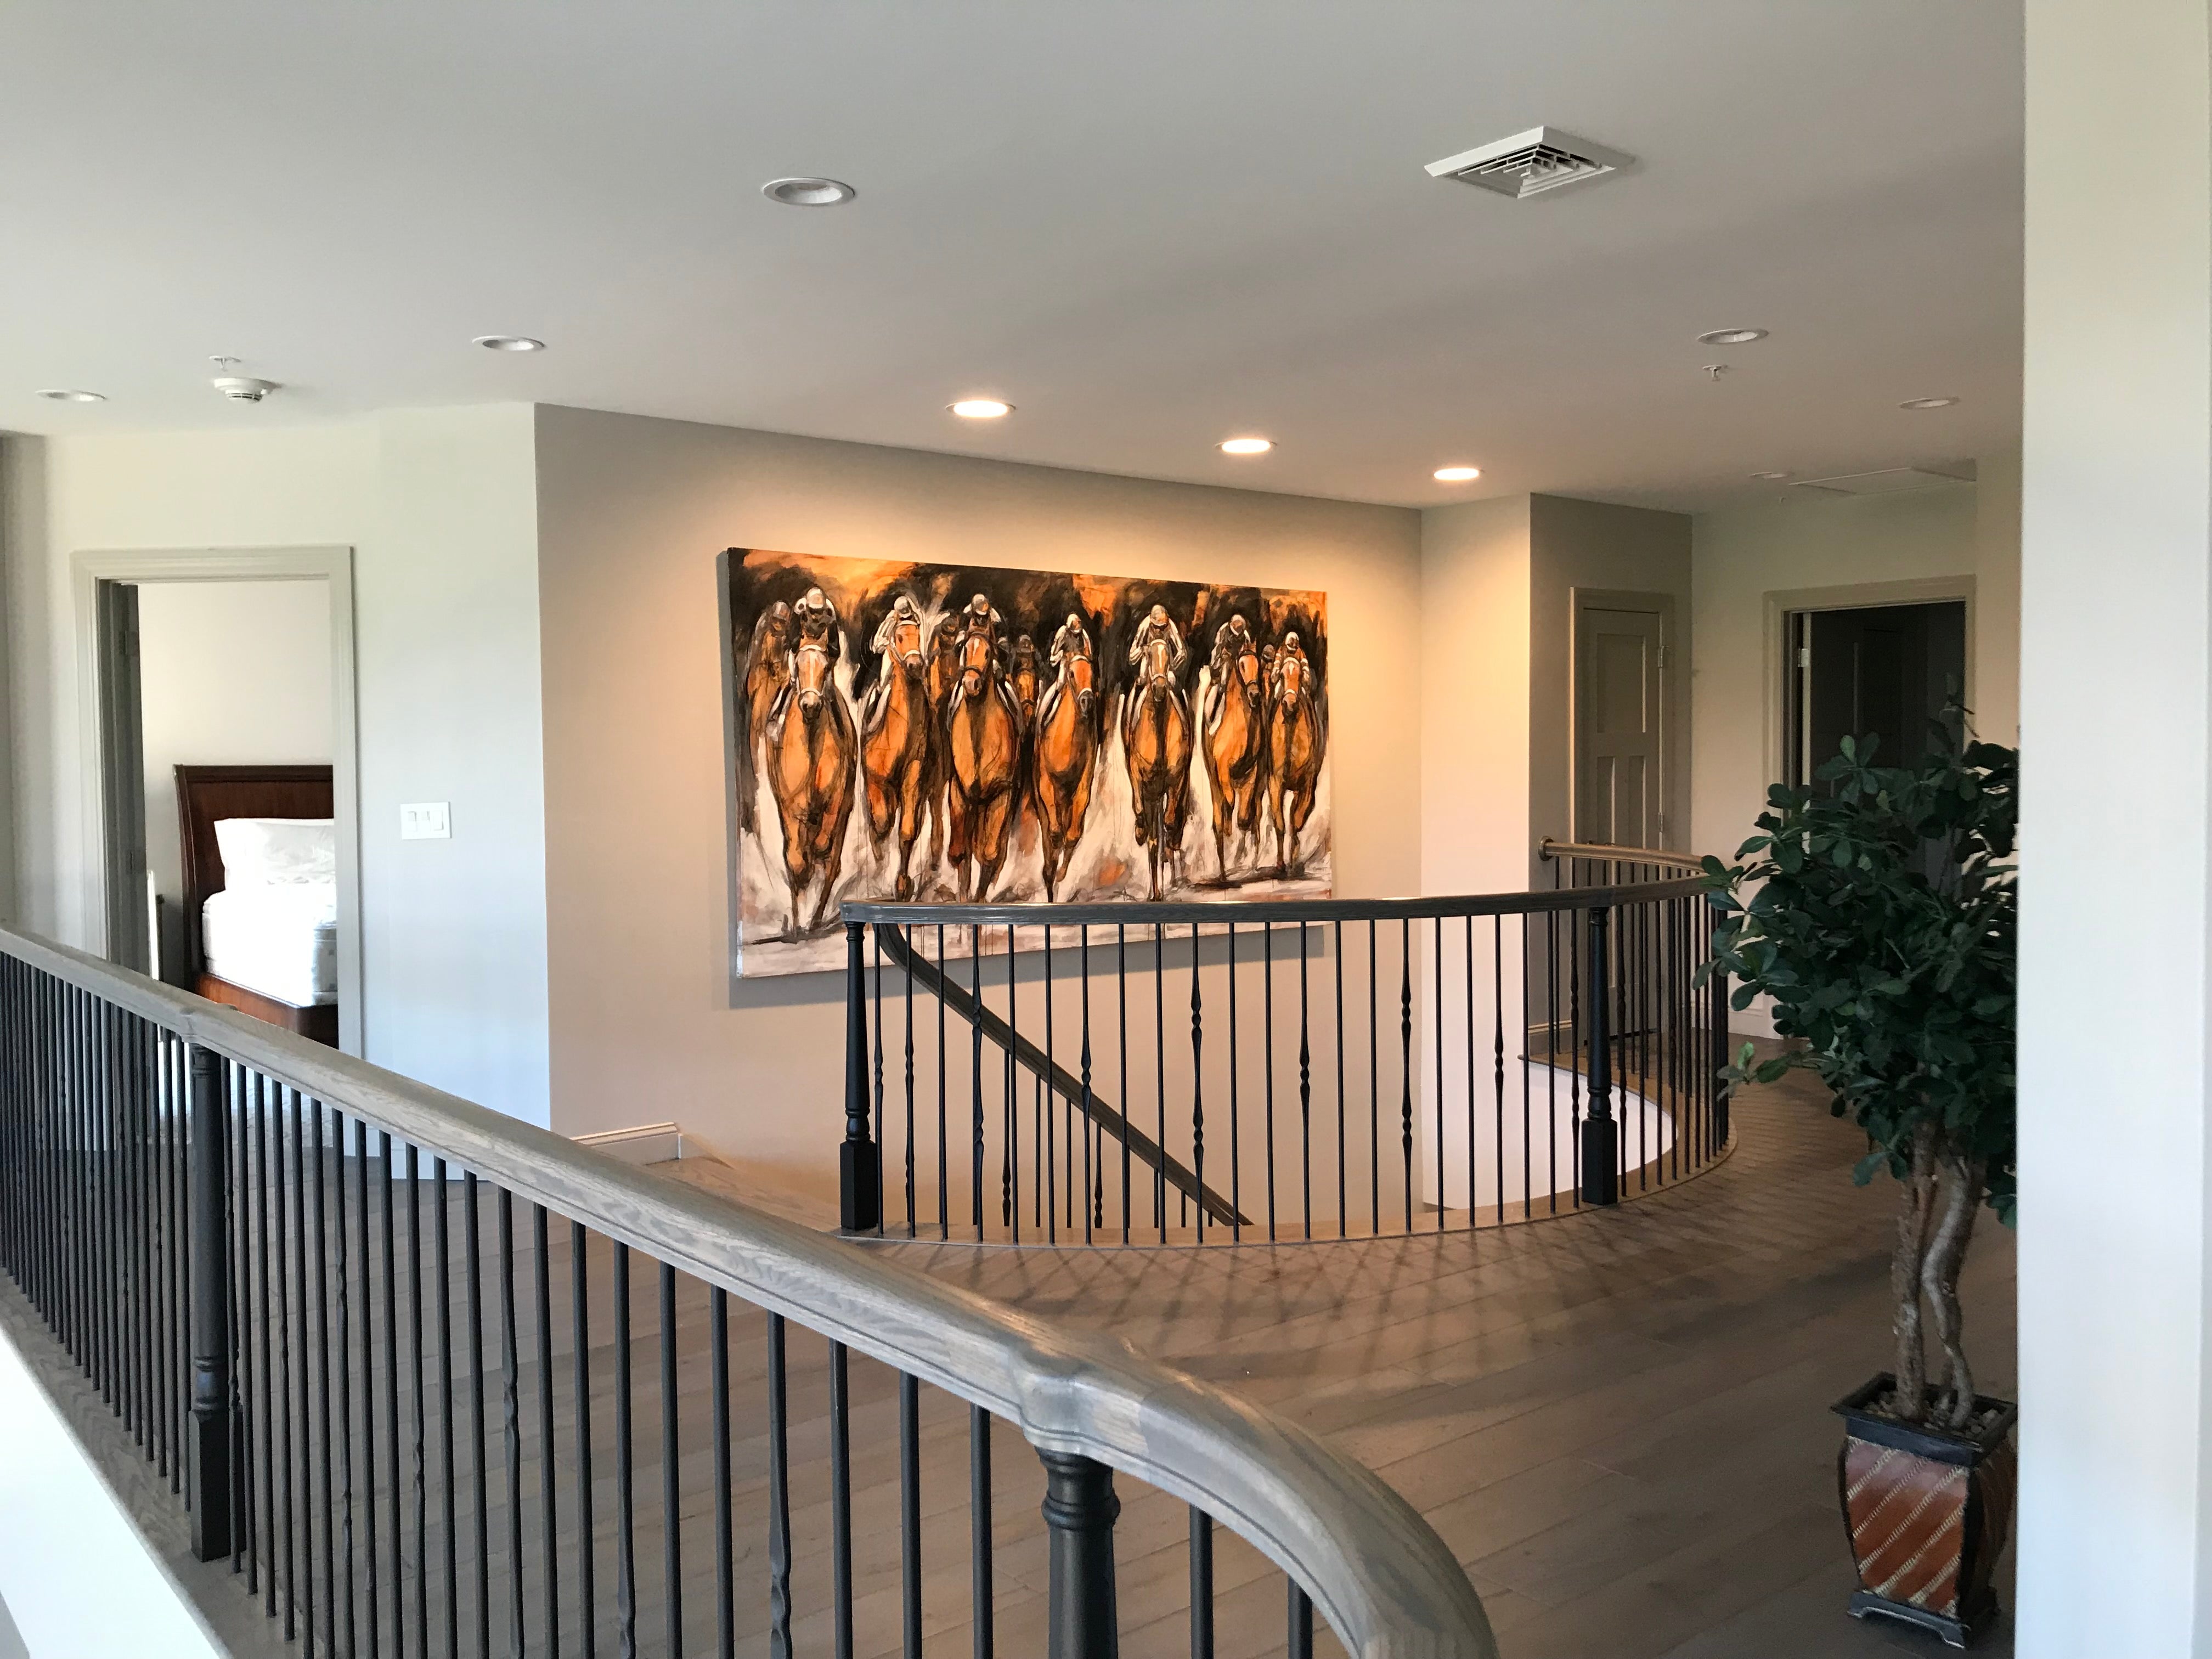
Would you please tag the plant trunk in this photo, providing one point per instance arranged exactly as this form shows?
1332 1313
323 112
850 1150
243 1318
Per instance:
1939 1282
1906 1267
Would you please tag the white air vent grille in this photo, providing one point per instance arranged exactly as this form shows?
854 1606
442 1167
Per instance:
1531 162
1889 482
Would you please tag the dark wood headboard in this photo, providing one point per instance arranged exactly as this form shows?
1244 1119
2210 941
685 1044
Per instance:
205 793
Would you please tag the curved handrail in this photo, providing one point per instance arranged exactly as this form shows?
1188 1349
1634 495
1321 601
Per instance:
1547 850
1380 1575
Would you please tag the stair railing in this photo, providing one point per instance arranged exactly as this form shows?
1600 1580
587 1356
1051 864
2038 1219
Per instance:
385 1345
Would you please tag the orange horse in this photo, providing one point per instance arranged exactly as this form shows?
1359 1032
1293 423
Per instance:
942 678
1155 742
1065 753
983 739
1294 754
767 671
1236 741
898 753
811 747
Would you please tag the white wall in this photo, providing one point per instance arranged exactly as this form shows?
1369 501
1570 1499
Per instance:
229 673
440 507
2115 1551
632 514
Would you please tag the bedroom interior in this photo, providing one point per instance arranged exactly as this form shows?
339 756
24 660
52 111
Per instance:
755 1112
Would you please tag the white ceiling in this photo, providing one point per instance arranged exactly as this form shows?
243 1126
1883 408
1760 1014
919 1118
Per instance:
1149 223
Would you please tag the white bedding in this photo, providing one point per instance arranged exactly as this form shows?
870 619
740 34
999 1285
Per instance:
280 940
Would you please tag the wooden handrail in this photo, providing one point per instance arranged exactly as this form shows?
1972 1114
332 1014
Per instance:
1547 850
1379 1572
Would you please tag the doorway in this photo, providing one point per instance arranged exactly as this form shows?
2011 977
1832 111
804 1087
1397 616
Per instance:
1886 670
1621 752
220 694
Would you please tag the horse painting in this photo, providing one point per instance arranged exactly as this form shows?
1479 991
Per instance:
983 744
1236 737
1156 741
899 751
1294 756
1064 752
893 728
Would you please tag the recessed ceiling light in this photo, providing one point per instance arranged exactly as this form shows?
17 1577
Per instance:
1769 477
509 342
808 192
1928 403
1247 446
65 395
1732 336
1457 474
981 408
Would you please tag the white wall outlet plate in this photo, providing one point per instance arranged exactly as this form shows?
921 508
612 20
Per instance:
426 820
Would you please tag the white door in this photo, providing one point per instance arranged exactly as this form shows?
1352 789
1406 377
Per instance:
1619 795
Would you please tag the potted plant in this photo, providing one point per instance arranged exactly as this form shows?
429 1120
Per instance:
1879 913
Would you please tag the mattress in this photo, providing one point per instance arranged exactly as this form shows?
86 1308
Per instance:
281 940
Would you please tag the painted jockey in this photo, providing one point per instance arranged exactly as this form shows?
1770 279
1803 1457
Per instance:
1073 639
981 616
904 613
1230 641
815 623
1158 625
1289 648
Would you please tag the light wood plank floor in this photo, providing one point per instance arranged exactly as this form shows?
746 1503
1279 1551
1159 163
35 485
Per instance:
1619 1421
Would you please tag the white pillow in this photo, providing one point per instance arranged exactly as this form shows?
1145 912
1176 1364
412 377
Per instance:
276 852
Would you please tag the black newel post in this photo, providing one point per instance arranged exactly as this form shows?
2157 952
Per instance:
1720 990
1080 1512
209 1268
1601 1134
859 1165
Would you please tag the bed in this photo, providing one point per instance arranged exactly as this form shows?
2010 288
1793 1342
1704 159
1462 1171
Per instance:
260 892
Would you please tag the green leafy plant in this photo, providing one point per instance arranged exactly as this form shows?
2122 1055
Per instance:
1880 914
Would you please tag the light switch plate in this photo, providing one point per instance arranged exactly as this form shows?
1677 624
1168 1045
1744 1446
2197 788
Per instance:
426 820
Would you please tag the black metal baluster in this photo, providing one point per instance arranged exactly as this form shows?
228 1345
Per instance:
548 1487
367 1389
1374 1098
943 1155
323 1369
841 1496
285 1513
1600 1167
779 1496
878 1068
625 1469
588 1600
982 1598
975 1069
1305 1081
1406 1058
859 1167
1121 985
1267 1057
1010 1208
671 1472
1201 1584
479 1445
209 1327
391 1395
1160 1072
1527 1149
718 1338
910 1509
443 1266
1497 1047
1574 1058
1197 1087
906 936
1343 1211
342 1271
1048 1147
1236 1157
304 1585
1083 1619
1093 1195
419 1473
266 1520
1301 1635
511 1425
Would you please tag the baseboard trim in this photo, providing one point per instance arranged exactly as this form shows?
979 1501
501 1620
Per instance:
645 1142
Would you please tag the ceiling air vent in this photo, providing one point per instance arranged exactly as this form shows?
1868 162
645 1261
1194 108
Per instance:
1889 482
1531 162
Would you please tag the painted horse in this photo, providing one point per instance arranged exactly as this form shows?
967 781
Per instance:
898 747
941 676
983 745
1294 754
1156 743
767 671
809 756
1235 747
1065 753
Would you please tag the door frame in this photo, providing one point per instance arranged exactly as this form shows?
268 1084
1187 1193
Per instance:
1673 707
333 566
1784 603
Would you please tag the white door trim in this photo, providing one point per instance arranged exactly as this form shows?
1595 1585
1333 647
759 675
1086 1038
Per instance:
332 565
1785 602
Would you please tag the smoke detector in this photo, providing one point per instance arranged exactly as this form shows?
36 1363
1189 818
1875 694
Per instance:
1529 163
239 388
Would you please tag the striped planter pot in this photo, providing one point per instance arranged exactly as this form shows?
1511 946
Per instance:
1928 1512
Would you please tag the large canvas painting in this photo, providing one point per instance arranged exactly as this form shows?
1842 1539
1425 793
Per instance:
938 733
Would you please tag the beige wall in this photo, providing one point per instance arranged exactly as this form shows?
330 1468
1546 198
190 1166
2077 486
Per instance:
269 704
632 513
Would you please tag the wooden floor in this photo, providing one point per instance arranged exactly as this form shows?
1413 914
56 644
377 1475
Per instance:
1617 1421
